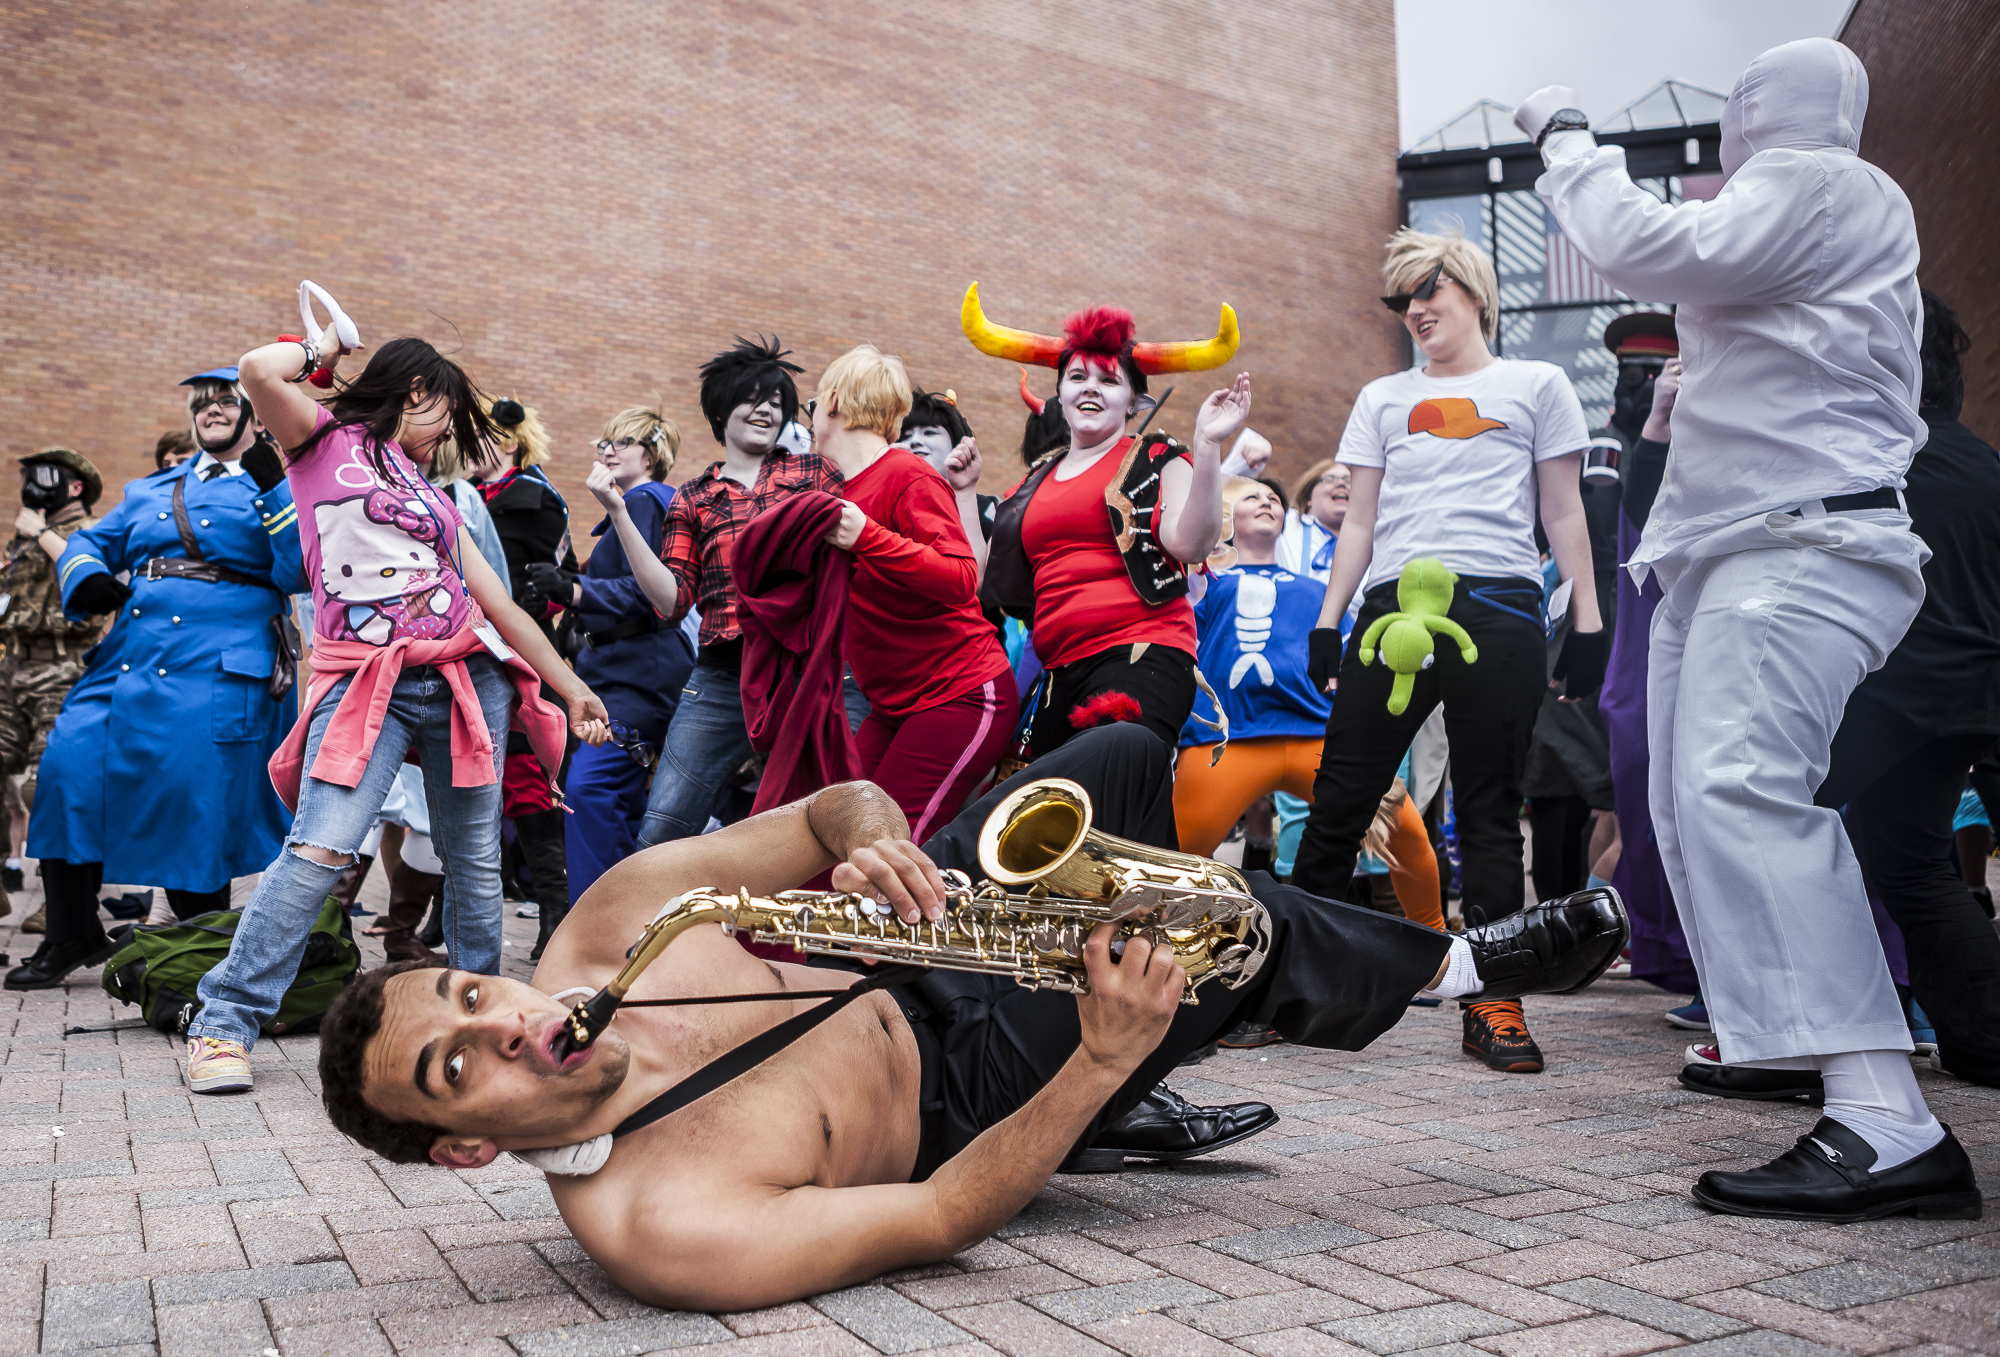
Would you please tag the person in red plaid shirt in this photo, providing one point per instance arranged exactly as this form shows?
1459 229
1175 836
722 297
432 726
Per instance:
749 398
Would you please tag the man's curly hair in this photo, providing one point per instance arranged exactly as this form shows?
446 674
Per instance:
344 1033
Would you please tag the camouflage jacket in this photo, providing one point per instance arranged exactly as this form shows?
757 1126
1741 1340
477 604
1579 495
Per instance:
34 610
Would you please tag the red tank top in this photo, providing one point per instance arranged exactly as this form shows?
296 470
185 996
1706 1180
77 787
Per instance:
1084 600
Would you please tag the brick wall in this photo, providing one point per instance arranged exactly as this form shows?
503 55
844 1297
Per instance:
1934 125
588 199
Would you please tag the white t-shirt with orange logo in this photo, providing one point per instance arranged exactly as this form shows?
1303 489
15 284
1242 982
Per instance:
1458 456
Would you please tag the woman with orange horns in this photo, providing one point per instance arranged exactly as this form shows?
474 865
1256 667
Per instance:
1093 547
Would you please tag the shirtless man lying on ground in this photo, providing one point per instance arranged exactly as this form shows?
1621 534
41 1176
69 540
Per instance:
910 1125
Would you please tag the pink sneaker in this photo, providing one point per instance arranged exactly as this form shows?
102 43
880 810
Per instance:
217 1066
1704 1055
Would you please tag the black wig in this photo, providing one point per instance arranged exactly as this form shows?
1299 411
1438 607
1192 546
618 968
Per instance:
1046 431
928 410
748 374
376 399
1944 376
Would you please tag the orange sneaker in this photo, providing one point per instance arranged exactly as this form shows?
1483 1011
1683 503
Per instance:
1497 1032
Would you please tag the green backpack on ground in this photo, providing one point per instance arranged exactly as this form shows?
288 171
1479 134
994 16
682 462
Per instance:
161 965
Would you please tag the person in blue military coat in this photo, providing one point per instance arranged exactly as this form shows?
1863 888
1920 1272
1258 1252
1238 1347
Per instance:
630 656
156 769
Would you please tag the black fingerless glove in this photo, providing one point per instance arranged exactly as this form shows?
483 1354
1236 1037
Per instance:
1323 649
1581 662
98 594
551 583
263 465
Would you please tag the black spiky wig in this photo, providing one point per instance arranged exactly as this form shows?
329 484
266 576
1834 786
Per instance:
928 408
746 375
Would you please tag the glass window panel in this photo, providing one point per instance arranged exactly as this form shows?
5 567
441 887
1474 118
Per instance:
1464 216
1573 339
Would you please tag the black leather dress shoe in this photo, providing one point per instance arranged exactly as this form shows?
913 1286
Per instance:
1169 1128
47 968
1771 1086
1555 947
1826 1177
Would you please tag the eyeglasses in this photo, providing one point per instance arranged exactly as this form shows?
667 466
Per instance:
627 739
619 445
225 402
1423 292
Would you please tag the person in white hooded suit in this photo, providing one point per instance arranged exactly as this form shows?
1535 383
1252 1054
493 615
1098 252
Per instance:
1789 572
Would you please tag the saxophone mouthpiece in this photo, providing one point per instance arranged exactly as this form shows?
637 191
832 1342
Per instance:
585 1024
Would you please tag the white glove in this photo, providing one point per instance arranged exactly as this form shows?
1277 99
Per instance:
1250 456
1536 110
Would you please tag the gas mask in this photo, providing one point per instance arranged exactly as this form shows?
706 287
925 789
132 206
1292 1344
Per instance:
44 486
1632 397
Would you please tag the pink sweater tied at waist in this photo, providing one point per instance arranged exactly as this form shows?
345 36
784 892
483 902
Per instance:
349 742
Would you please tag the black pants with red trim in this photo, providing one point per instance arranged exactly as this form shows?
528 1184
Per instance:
1334 976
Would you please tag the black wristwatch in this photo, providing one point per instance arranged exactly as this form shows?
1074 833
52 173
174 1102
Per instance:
1564 120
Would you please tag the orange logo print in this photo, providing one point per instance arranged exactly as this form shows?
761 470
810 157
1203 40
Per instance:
1450 417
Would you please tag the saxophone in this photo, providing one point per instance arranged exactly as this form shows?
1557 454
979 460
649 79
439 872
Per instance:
1051 879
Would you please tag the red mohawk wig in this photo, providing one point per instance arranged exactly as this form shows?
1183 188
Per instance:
1102 332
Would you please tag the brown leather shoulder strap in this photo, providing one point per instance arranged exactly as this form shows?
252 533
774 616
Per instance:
188 544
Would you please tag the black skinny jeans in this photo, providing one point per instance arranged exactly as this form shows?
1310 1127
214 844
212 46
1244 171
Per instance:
1490 708
1903 781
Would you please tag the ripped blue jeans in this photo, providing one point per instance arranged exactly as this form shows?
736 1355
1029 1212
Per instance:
239 995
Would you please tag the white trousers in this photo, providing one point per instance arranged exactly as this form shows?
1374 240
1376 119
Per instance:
1765 628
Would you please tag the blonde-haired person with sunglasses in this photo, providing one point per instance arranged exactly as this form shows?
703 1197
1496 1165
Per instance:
1450 460
634 659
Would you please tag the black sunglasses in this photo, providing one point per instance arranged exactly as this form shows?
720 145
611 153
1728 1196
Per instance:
1423 291
627 739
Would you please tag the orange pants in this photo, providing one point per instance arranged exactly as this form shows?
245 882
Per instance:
1209 801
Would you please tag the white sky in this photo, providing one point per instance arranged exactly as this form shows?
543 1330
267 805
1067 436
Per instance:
1452 53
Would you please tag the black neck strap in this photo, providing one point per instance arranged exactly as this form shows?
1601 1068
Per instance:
758 1049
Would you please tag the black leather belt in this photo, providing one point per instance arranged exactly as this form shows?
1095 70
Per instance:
631 626
207 572
1885 498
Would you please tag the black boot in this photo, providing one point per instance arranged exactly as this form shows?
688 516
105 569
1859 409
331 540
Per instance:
1168 1128
1556 947
541 838
1826 1177
75 938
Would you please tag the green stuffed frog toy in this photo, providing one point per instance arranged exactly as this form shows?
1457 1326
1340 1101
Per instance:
1423 591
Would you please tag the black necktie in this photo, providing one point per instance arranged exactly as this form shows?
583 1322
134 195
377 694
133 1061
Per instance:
212 470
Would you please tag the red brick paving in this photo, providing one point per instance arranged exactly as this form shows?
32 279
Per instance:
217 1225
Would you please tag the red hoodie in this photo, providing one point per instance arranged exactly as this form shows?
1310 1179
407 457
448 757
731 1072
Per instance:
791 601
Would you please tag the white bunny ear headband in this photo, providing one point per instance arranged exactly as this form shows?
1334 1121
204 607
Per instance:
584 1157
338 321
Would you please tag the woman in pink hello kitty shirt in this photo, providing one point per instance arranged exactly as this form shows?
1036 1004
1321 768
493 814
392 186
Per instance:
418 653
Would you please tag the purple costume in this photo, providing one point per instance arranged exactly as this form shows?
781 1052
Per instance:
1659 948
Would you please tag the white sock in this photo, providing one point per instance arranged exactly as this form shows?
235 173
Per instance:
14 864
1875 1095
1461 976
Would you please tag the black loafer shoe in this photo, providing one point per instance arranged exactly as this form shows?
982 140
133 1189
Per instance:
1168 1128
46 969
1771 1086
1826 1177
1556 947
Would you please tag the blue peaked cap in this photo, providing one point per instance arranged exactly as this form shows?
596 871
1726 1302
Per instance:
227 374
